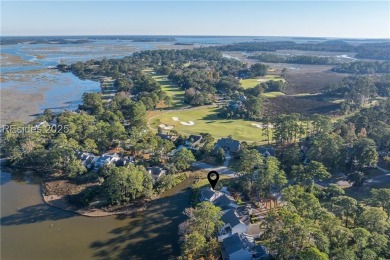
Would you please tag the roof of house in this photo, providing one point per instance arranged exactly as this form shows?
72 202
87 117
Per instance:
222 200
104 157
121 162
167 136
260 251
194 138
83 155
207 193
228 143
266 151
232 244
231 218
156 171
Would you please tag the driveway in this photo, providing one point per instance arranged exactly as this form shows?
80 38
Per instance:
209 167
227 159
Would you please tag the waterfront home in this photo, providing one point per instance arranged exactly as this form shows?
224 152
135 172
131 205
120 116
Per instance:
156 172
41 124
105 159
228 145
266 151
232 225
87 159
236 248
225 202
208 194
218 198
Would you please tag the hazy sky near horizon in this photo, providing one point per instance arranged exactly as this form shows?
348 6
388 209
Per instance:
353 19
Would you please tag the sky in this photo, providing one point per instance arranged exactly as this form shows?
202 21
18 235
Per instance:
342 19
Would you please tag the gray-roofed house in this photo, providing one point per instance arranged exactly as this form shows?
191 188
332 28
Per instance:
123 161
193 140
233 225
208 194
167 136
106 159
260 253
224 202
86 159
228 144
233 248
266 151
156 172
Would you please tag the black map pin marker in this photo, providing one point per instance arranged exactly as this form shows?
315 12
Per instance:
213 178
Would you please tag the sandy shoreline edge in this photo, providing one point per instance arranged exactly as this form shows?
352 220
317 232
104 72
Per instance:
60 202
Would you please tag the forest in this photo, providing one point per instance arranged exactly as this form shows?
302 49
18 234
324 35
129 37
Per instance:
377 51
363 67
295 59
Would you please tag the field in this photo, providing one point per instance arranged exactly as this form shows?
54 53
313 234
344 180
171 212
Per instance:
250 83
304 104
301 78
206 120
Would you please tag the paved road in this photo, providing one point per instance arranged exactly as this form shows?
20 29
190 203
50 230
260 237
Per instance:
381 178
209 167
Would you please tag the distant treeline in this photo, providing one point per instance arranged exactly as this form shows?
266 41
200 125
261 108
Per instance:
36 40
155 39
79 39
380 51
363 67
298 59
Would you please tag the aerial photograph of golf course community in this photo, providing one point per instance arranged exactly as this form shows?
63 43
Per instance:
172 146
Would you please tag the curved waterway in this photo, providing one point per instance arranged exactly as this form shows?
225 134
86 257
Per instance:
30 229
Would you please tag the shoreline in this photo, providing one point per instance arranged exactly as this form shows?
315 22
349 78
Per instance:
50 191
54 193
60 202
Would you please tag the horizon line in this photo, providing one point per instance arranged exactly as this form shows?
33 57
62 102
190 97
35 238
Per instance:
195 35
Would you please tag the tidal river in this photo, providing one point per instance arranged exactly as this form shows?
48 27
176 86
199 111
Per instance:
30 229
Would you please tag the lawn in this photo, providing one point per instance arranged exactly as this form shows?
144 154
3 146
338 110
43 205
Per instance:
206 120
272 94
250 83
171 89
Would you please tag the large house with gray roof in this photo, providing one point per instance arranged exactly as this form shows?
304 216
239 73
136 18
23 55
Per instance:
238 247
234 248
232 225
106 159
228 145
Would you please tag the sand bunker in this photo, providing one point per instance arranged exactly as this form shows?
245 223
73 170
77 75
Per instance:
188 123
262 126
166 127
